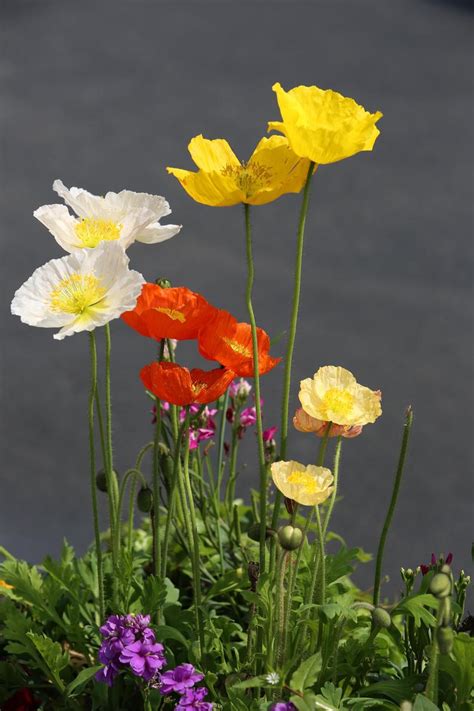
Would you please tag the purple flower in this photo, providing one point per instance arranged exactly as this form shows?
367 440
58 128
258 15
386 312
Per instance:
144 658
179 679
192 700
107 674
248 417
283 706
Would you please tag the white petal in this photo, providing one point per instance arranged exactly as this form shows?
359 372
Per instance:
61 224
157 233
83 203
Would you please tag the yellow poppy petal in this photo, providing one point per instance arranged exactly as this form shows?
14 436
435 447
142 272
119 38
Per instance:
325 126
212 156
211 189
307 485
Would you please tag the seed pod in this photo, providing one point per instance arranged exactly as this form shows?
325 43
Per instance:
381 617
145 499
254 532
290 537
445 639
440 585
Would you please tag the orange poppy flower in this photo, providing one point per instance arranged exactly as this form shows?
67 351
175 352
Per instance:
178 385
176 312
230 343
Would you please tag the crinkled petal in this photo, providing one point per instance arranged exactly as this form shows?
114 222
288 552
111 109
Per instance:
212 155
211 189
61 225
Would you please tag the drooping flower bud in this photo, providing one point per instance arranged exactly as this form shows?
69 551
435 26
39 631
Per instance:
101 480
254 532
381 617
145 499
290 537
440 585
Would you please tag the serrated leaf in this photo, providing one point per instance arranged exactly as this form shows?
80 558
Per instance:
166 632
416 606
82 679
52 655
305 676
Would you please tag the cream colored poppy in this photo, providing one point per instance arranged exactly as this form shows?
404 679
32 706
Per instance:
334 395
307 485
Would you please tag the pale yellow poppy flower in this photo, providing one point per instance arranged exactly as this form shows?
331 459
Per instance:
334 395
323 125
222 180
307 485
305 423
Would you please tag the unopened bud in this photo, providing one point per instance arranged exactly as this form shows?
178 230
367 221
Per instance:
445 569
101 480
167 467
290 505
440 585
164 283
381 617
254 532
290 537
253 572
445 639
145 499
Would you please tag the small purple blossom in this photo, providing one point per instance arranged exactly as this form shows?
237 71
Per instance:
192 700
240 389
248 416
179 679
144 658
283 706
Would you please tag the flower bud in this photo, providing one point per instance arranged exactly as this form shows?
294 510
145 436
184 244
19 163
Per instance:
381 617
290 537
164 283
445 639
145 499
254 532
101 480
440 585
290 505
167 467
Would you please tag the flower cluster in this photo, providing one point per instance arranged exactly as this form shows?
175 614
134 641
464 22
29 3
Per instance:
202 424
129 644
435 563
182 680
179 313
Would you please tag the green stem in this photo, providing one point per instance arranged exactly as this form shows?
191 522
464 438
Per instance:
100 420
178 438
292 333
220 444
156 482
393 503
332 501
95 511
194 536
258 407
322 558
230 488
112 487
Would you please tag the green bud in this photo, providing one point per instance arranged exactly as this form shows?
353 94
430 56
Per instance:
381 617
445 569
445 639
254 532
101 480
167 467
145 499
164 283
290 537
440 585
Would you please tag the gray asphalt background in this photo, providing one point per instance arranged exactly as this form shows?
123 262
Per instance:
105 94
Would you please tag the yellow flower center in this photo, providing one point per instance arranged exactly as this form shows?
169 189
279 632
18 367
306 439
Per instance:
92 232
237 347
172 313
76 293
197 387
249 177
304 481
339 402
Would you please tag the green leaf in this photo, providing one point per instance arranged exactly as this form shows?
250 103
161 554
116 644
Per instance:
330 697
166 632
460 665
422 703
305 676
307 703
52 655
81 680
395 689
415 605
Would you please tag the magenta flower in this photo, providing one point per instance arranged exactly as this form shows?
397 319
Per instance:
248 416
145 659
268 435
240 389
283 706
179 679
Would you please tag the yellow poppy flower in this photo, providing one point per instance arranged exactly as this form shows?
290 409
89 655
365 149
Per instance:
222 180
307 485
334 395
323 125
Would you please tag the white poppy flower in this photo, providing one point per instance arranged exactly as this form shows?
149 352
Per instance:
124 217
79 292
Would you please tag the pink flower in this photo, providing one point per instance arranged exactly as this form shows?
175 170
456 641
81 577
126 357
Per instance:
248 417
240 389
268 435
